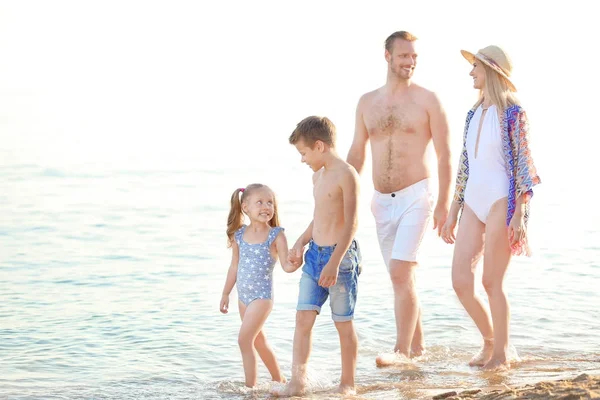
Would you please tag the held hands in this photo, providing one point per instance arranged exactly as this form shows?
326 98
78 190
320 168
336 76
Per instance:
294 258
516 229
329 275
447 231
224 306
439 217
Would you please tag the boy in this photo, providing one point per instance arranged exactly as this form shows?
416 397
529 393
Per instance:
331 265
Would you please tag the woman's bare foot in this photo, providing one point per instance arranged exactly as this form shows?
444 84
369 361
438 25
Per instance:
389 359
346 390
484 355
417 351
294 388
495 364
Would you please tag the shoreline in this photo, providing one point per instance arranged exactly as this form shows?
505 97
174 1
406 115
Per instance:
582 386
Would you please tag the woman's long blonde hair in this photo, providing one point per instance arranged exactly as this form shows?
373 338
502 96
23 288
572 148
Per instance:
236 214
497 89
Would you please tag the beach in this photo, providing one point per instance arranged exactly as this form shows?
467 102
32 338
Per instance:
582 386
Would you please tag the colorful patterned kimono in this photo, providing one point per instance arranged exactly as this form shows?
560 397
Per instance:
520 169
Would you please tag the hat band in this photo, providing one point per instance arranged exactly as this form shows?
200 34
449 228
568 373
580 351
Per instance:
492 63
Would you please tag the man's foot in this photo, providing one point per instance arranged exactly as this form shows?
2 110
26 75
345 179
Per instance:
293 388
346 390
389 359
417 351
497 364
484 355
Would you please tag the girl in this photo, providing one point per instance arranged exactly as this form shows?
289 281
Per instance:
256 248
494 185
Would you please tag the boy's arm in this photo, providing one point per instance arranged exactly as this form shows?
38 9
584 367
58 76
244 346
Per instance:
231 278
305 237
350 192
358 149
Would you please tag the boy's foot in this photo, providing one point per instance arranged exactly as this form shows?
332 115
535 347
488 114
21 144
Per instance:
291 389
497 364
346 390
389 359
484 355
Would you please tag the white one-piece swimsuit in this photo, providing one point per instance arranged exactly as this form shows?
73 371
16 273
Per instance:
488 179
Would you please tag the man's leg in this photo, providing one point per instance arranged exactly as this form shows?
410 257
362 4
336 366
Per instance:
406 304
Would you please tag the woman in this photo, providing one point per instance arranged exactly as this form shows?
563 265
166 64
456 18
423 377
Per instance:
493 188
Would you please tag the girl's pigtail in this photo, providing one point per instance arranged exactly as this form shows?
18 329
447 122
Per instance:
236 216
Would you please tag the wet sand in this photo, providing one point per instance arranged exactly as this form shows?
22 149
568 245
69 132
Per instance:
581 387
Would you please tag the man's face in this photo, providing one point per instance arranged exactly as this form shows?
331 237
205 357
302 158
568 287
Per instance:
311 156
403 58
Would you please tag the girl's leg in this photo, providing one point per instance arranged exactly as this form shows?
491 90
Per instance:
253 317
495 263
266 354
468 250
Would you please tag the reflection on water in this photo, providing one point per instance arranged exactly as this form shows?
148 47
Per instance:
110 283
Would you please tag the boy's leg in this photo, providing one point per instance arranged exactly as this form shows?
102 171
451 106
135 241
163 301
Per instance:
305 320
311 297
349 350
343 297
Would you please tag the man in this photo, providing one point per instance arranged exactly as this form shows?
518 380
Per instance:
400 119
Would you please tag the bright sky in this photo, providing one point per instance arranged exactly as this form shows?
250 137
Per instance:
206 84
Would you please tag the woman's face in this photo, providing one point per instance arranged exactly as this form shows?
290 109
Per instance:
478 74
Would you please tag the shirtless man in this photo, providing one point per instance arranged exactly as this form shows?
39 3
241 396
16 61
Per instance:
331 266
401 119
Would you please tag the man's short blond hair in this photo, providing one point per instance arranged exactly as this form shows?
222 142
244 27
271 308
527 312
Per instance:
314 128
404 35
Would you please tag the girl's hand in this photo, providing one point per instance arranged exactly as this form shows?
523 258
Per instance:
516 229
224 304
295 257
448 229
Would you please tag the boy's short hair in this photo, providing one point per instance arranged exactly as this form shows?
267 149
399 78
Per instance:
314 128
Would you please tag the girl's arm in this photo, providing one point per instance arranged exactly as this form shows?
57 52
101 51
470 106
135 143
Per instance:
231 277
281 246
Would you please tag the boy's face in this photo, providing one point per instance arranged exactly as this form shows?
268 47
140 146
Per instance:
313 157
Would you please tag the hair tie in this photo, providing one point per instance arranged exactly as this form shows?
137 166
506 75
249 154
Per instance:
241 190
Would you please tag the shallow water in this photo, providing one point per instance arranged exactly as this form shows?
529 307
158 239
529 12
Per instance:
110 283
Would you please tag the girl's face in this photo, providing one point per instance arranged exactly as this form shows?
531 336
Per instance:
478 74
259 206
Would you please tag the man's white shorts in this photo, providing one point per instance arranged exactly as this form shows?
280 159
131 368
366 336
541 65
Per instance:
402 218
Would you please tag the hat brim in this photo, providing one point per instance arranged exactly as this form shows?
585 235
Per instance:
470 57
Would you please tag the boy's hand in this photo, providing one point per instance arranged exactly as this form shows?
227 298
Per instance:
224 304
329 275
295 256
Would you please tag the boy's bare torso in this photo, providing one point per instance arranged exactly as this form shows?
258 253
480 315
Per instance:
398 128
328 218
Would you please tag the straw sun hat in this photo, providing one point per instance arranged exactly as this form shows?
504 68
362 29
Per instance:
495 58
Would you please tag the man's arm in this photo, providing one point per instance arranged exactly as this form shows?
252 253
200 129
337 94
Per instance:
440 133
350 192
358 149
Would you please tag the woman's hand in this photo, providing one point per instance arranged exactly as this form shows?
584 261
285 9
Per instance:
448 229
516 229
